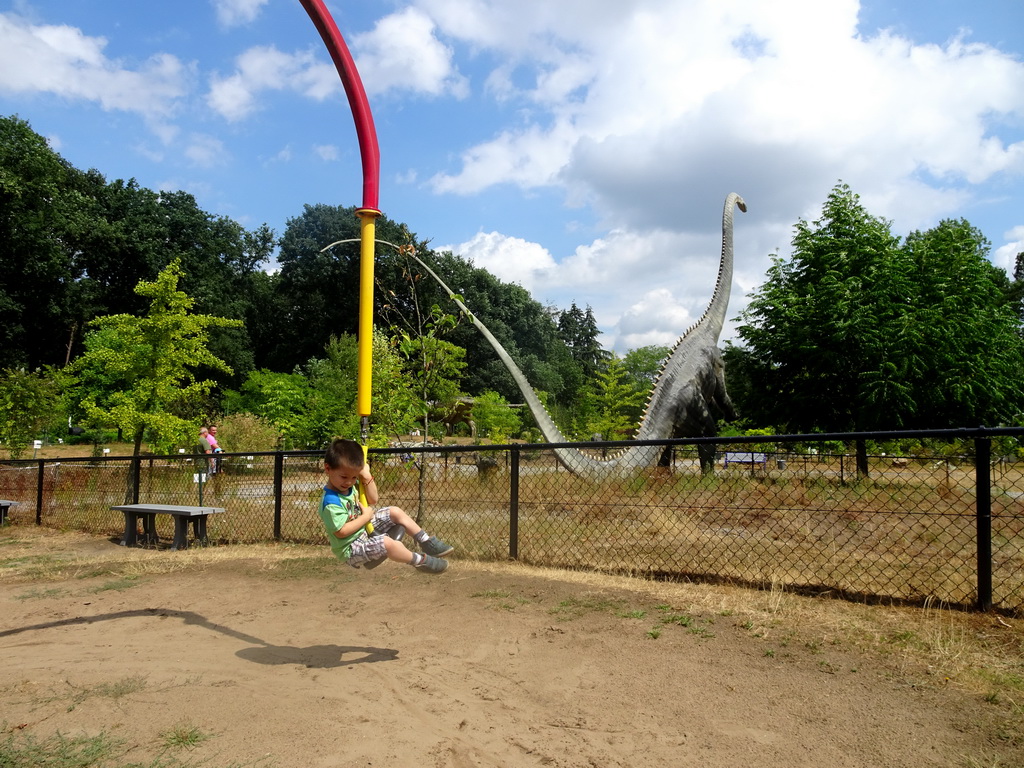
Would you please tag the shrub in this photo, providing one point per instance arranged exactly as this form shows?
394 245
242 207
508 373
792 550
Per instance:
241 432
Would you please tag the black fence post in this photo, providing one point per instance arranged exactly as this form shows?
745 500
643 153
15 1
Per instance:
983 500
513 505
39 492
136 478
278 485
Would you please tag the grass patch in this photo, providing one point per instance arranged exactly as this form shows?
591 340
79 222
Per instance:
184 736
492 593
30 561
308 568
115 690
103 569
40 594
23 750
123 582
575 607
57 751
694 625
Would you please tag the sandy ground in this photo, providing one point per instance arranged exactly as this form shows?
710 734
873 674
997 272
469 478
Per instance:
305 662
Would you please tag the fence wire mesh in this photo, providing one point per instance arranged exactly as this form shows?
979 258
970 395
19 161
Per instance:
909 528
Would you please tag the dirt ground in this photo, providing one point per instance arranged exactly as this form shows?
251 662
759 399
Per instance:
284 657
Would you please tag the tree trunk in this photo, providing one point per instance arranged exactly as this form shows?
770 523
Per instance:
862 460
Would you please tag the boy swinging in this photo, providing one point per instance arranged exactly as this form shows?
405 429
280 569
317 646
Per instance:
345 518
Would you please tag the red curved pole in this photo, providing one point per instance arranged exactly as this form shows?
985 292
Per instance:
365 131
370 153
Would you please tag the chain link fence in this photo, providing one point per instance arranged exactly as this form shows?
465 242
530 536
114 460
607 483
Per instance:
943 525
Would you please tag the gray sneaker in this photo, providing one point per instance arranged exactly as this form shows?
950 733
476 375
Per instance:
432 565
436 548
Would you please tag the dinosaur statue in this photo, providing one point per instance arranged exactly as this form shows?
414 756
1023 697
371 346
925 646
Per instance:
688 394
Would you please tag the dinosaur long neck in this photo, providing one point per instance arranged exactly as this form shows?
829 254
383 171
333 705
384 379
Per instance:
657 422
717 309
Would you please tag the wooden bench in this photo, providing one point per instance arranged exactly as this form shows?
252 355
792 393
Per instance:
745 457
5 505
147 513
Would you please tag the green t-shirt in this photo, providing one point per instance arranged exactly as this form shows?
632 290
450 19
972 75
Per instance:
336 509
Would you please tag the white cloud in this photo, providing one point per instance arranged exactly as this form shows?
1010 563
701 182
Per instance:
231 13
510 259
403 53
790 83
657 318
284 155
650 113
646 288
529 158
265 68
327 152
63 61
1005 255
400 53
205 151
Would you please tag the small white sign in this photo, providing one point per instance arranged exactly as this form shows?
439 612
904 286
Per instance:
198 477
37 444
106 451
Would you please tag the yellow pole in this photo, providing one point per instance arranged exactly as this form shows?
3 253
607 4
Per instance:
364 381
364 376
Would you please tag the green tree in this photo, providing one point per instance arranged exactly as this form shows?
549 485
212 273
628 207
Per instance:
579 331
29 403
860 332
280 398
970 353
315 296
138 373
494 418
433 367
241 432
615 403
333 410
526 329
319 290
642 365
73 247
745 380
318 401
1015 291
39 204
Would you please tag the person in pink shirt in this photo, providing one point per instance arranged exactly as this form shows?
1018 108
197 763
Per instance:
211 438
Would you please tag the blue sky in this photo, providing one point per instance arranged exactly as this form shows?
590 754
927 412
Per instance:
582 148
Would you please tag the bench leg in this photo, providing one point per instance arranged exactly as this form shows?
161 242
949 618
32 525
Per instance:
180 533
199 529
131 529
131 523
149 534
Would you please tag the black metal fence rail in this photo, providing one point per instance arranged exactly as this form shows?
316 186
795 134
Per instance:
944 525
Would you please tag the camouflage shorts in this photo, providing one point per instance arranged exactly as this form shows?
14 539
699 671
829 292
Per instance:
369 547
